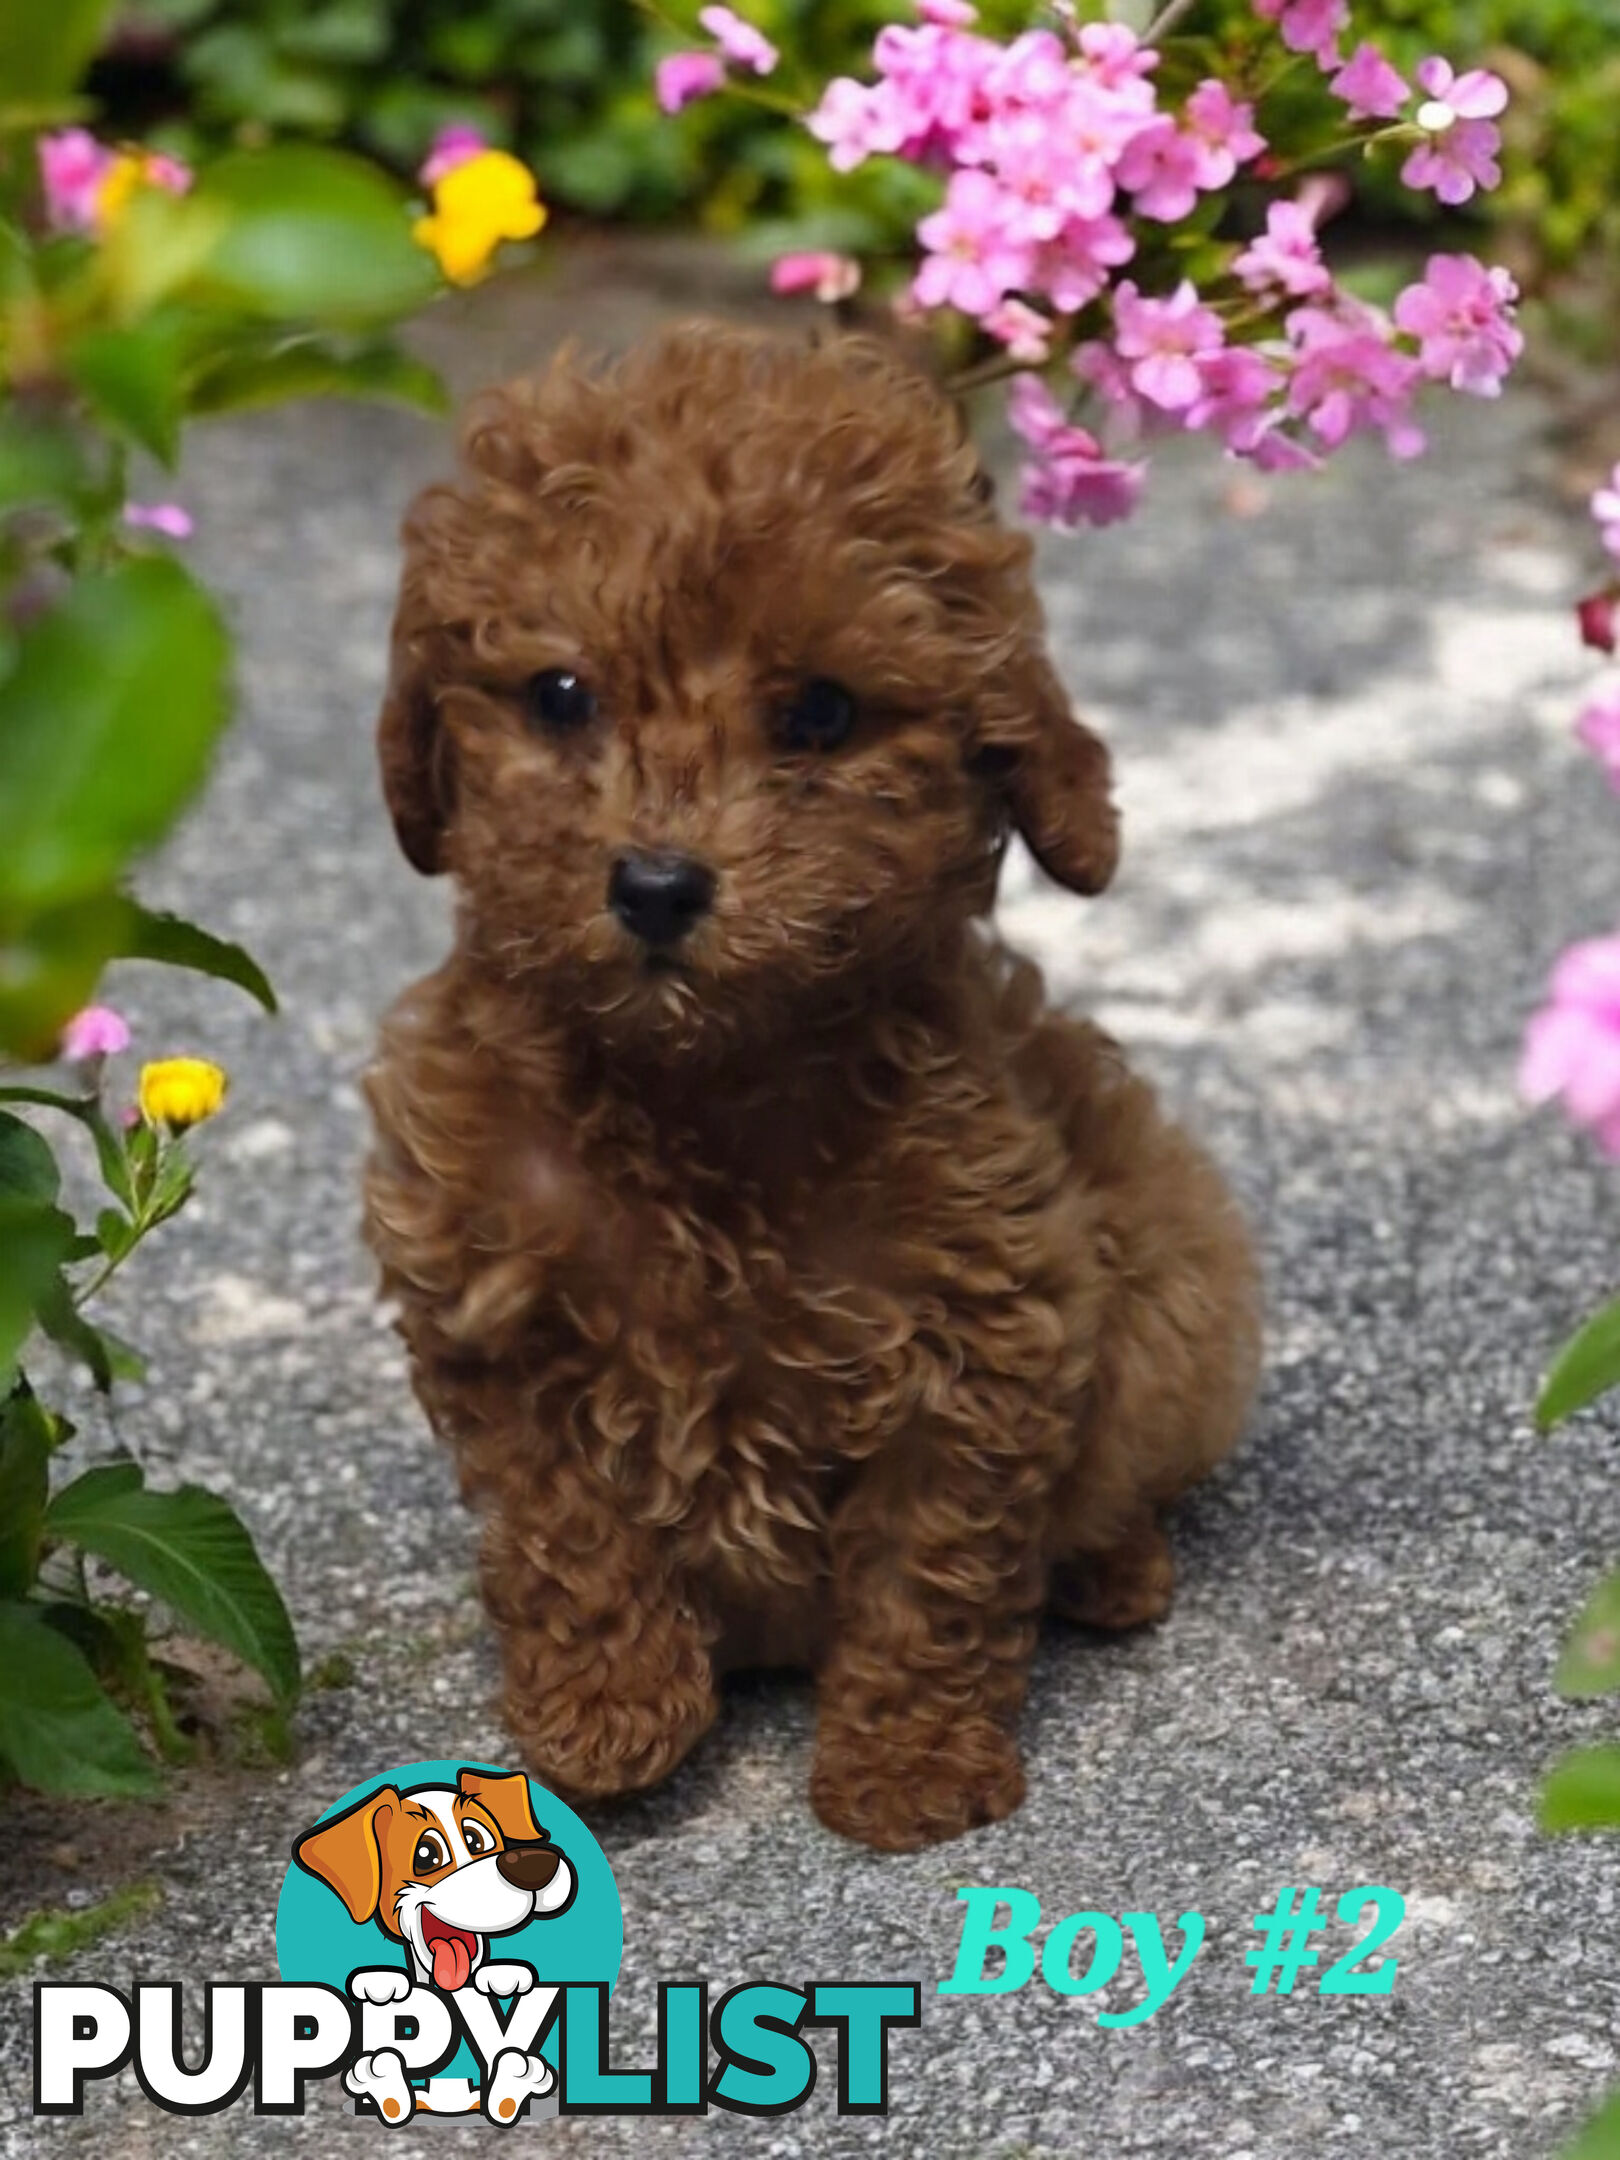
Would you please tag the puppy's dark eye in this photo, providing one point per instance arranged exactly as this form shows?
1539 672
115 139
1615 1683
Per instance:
476 1840
560 700
820 716
431 1853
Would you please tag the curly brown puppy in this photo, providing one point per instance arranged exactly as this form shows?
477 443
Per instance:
790 1284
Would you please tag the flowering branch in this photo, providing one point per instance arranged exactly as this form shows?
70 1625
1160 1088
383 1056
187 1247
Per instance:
1094 228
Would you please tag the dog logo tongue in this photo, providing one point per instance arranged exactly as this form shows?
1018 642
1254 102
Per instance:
451 1950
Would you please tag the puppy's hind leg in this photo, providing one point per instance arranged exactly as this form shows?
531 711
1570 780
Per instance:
1178 1333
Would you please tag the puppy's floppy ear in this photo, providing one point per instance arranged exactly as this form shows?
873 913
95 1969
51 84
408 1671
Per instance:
1053 774
505 1794
346 1854
416 777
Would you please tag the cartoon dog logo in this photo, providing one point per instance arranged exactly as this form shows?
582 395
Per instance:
442 1869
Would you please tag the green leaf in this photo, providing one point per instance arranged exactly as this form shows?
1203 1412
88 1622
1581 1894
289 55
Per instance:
58 1730
1600 2139
27 1165
191 1550
133 379
157 250
115 1233
1583 1791
39 461
25 1453
306 369
1590 1664
178 943
46 45
106 729
62 1321
1587 1367
35 1241
50 966
315 235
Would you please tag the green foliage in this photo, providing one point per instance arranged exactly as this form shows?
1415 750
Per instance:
54 1935
1583 1791
275 275
1600 2140
566 84
1587 1367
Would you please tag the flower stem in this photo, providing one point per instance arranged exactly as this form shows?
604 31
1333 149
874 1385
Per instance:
1001 369
1165 21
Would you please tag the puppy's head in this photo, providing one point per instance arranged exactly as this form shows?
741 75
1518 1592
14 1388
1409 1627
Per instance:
716 680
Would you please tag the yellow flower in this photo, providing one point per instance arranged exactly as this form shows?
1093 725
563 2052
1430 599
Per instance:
178 1092
476 205
118 184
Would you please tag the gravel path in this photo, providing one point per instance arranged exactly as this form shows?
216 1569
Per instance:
1357 833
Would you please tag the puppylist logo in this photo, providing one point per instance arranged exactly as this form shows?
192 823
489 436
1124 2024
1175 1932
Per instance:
449 1936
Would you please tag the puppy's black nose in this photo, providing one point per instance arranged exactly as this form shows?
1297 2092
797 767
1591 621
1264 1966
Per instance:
659 895
528 1867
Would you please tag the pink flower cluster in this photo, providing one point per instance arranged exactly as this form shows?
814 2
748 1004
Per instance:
1572 1046
75 169
1062 163
683 76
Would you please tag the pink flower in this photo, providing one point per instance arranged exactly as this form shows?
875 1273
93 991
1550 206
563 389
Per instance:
1160 167
452 146
1348 376
1606 509
1100 368
169 173
1115 58
1075 267
170 519
1287 256
1046 188
1071 480
1223 134
97 1032
1462 316
72 167
1596 617
856 121
1459 119
1025 331
1598 728
1309 26
1236 388
1572 1046
829 277
935 91
974 257
1371 88
742 44
1164 340
948 14
681 77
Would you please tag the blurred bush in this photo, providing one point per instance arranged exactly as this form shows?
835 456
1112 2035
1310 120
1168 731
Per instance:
565 83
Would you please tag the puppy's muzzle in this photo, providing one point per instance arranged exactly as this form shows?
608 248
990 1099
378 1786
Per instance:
660 895
528 1867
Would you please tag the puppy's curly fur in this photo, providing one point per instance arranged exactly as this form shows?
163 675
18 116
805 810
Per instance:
806 1291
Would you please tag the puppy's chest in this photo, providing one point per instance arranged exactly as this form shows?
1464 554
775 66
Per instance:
743 1335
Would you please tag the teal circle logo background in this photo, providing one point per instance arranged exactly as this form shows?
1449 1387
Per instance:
317 1940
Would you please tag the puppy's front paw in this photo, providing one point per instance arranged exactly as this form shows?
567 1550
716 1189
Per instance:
900 1783
510 1979
381 2079
614 1727
516 2078
385 1984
